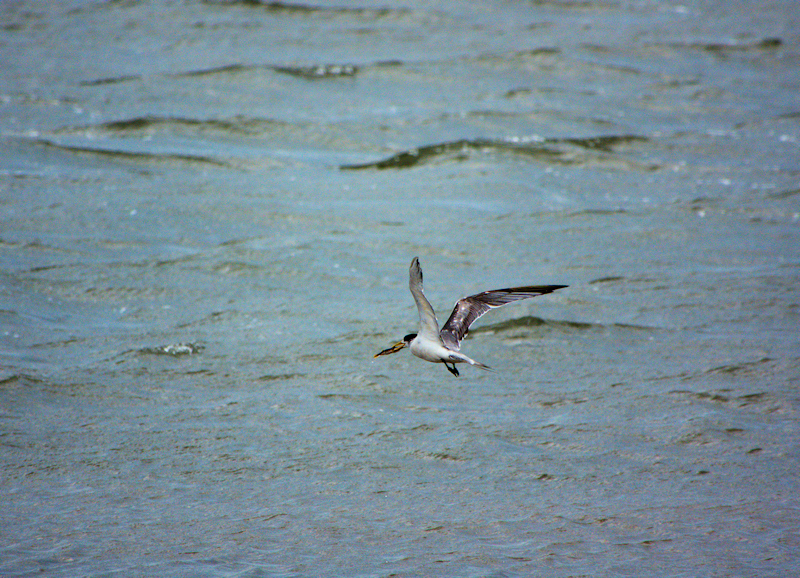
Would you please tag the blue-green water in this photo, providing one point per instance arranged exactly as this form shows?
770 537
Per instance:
207 212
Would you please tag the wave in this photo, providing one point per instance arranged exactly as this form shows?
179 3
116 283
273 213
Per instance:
157 138
565 151
760 45
173 349
301 9
139 125
111 80
529 321
122 149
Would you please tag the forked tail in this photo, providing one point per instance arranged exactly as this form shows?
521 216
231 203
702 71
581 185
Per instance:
472 361
481 365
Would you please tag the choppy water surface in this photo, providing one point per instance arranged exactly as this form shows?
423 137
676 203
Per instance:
207 212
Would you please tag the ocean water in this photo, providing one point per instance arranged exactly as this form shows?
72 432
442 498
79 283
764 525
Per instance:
207 213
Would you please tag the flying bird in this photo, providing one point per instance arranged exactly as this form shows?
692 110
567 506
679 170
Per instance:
442 346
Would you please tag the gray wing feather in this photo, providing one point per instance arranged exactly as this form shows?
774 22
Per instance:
468 309
428 325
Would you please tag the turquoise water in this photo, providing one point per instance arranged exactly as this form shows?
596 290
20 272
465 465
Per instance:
207 213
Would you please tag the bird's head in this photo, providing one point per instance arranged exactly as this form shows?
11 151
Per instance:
399 345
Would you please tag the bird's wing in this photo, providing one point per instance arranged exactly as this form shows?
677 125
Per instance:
428 325
468 309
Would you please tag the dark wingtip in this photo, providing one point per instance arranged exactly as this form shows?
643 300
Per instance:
550 288
540 289
415 265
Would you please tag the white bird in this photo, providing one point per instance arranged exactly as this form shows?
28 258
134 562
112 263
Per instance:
442 346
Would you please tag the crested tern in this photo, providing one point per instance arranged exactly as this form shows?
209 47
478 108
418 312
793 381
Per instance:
442 346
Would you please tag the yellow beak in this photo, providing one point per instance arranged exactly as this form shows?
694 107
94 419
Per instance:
393 349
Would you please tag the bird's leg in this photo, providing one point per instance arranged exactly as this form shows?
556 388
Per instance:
452 370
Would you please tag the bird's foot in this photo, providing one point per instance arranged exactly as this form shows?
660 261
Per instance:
452 369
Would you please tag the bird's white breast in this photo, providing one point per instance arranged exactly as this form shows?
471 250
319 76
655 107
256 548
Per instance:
429 350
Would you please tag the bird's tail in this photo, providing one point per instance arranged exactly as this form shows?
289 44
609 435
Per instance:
458 357
479 364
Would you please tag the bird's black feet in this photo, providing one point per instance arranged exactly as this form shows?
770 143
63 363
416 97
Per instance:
452 369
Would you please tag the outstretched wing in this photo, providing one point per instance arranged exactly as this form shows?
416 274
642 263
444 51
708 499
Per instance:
468 309
428 325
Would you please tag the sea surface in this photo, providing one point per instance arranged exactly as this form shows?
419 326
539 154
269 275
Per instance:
207 214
